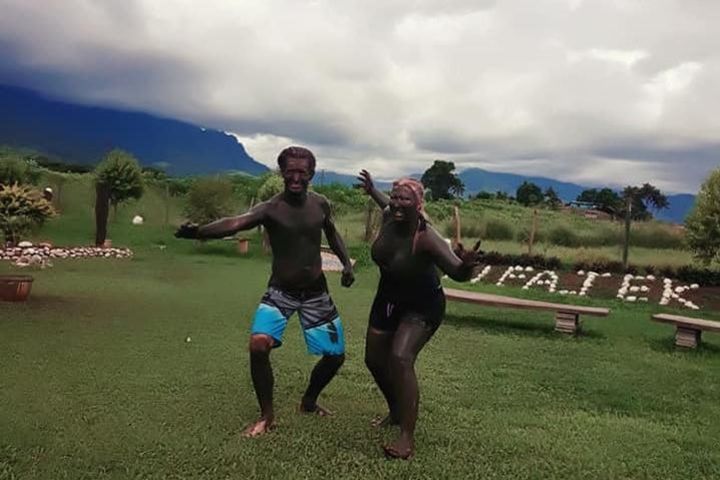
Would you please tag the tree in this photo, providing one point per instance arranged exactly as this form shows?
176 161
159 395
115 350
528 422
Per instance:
441 181
528 194
605 200
551 198
118 178
635 200
209 199
21 209
484 196
703 222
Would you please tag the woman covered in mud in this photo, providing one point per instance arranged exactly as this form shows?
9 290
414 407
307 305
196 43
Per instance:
409 304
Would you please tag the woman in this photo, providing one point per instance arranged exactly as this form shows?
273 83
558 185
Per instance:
410 303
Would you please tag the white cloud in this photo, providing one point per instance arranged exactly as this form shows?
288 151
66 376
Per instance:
394 84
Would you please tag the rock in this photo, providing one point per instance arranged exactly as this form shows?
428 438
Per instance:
138 220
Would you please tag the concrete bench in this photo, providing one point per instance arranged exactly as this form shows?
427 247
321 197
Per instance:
688 329
567 317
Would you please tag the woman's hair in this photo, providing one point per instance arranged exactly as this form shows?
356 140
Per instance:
418 192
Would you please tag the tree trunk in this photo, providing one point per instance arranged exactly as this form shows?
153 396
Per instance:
102 209
626 245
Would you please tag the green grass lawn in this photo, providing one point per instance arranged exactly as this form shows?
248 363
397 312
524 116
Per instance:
97 381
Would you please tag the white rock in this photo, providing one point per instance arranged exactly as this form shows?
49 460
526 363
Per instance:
138 220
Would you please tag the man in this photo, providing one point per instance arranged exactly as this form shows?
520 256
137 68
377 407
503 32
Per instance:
294 220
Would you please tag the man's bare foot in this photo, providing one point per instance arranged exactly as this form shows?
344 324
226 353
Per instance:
262 426
402 448
388 420
314 408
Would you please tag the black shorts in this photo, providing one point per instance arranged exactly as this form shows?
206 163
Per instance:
388 311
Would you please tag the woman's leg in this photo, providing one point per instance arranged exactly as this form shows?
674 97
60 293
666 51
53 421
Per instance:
377 354
411 336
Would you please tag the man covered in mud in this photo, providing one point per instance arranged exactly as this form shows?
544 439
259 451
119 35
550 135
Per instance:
294 220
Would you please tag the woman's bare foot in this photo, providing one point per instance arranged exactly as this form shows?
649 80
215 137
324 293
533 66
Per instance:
262 426
314 408
403 448
388 420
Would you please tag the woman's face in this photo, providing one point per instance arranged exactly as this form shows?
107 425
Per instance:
403 206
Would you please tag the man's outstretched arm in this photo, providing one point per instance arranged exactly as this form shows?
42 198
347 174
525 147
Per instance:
337 245
225 226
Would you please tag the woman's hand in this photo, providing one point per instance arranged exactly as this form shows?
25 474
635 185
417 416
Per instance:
187 230
469 258
366 182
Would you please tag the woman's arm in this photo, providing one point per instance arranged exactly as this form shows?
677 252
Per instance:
366 183
459 264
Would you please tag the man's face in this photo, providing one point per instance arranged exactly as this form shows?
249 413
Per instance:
297 175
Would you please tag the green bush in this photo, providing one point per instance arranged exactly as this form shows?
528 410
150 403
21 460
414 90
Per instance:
22 208
496 229
657 236
16 170
209 199
564 236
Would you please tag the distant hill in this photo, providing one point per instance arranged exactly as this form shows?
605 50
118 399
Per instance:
81 134
479 180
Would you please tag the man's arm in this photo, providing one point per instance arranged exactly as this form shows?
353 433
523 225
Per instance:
457 265
337 245
229 225
366 183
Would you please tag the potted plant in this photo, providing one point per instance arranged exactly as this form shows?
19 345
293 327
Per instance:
15 288
22 208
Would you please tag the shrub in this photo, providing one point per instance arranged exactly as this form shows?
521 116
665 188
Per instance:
16 170
498 230
272 185
563 236
657 236
209 199
22 208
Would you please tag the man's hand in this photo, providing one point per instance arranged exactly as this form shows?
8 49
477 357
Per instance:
188 230
348 277
366 182
469 257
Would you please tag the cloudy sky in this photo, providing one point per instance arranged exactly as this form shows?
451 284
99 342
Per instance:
598 92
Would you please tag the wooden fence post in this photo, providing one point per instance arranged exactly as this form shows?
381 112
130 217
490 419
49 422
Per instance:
533 229
458 231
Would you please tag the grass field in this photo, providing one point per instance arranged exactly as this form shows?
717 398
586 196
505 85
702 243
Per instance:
97 380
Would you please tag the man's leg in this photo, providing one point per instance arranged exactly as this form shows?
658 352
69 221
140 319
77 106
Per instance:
263 381
323 372
378 344
324 336
266 332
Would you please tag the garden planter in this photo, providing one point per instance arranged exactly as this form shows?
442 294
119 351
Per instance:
243 245
15 288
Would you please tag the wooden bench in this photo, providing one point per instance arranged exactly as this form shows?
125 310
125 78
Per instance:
688 329
567 317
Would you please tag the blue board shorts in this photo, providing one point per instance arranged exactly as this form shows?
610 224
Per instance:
319 319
